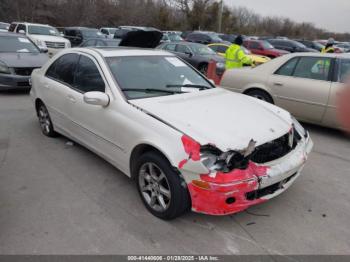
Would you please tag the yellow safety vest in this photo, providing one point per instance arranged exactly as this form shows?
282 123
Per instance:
328 50
236 58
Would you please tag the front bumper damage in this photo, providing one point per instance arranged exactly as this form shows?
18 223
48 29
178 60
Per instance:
228 193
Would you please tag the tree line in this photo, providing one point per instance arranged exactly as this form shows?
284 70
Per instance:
184 15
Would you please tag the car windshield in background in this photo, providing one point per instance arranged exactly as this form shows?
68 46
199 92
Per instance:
4 26
318 45
42 30
92 33
152 76
267 45
112 43
10 44
201 49
215 38
175 37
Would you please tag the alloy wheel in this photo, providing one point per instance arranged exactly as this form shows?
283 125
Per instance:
154 187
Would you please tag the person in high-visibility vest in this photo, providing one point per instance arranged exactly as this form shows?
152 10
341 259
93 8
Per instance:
235 56
329 47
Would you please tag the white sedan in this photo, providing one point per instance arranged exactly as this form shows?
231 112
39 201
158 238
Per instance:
158 120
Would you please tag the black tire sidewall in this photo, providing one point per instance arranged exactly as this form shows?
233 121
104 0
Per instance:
260 93
52 132
180 201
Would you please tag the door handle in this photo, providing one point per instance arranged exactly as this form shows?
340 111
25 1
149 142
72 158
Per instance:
72 99
278 84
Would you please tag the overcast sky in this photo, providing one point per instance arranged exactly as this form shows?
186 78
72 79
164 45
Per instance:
332 15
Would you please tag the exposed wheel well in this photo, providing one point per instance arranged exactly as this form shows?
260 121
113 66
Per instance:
202 64
138 151
258 89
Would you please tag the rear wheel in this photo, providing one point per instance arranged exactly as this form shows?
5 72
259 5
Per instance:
45 121
160 187
261 95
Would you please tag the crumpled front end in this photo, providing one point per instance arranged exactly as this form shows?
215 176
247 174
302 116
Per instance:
235 182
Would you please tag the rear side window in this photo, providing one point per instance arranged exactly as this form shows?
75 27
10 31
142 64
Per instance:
288 68
63 69
170 47
88 77
12 27
344 70
182 49
222 49
21 27
316 68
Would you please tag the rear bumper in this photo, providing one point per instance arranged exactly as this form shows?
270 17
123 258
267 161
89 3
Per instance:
242 189
14 82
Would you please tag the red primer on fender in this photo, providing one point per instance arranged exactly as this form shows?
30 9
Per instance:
226 185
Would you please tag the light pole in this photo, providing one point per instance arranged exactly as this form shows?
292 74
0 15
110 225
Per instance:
221 10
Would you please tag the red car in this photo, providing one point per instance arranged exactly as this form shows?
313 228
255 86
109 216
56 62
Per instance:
261 47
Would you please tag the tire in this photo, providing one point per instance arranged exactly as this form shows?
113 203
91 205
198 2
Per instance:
261 95
163 192
203 68
45 121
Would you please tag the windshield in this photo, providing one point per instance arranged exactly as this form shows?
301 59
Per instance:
42 30
4 26
92 33
175 37
10 44
152 76
201 49
266 45
215 37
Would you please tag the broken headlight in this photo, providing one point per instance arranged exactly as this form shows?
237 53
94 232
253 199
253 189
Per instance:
299 128
215 160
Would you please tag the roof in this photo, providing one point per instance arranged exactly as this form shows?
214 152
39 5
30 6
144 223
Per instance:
12 34
26 23
127 51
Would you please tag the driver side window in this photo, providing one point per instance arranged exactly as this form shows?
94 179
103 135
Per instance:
87 76
182 49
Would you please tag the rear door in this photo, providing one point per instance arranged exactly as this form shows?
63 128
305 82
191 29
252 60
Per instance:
184 52
56 85
340 76
302 86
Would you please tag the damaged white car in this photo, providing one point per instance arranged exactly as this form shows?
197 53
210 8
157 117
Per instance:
186 143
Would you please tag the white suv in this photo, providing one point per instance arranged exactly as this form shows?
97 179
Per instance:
44 36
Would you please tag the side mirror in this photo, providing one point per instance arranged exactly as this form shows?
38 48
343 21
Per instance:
22 32
43 50
96 99
189 53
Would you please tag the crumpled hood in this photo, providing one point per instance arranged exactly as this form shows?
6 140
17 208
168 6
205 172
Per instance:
225 119
49 38
24 59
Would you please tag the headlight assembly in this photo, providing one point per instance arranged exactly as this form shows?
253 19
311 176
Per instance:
4 69
299 128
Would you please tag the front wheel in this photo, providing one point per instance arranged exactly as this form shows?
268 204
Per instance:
161 189
45 121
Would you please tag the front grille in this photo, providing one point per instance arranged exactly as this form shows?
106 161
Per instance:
268 190
21 84
56 45
24 71
275 149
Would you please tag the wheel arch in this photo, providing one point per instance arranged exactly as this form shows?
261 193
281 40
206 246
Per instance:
259 88
141 149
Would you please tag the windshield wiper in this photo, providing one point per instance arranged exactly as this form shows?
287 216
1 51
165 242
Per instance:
152 90
190 86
